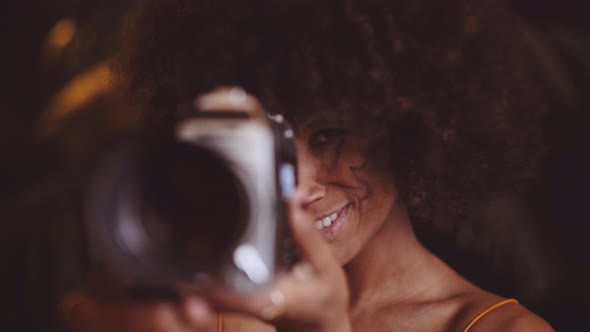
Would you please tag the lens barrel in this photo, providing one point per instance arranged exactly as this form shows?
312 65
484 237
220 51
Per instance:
167 209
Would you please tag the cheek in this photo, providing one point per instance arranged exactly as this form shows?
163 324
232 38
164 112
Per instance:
349 164
352 155
376 206
369 215
377 192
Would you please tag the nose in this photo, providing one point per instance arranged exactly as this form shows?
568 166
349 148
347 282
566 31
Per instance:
308 172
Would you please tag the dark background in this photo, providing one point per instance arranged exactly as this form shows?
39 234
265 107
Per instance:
46 159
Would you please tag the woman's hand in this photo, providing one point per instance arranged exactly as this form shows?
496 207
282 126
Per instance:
312 297
107 306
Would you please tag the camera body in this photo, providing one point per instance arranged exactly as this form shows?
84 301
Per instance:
204 203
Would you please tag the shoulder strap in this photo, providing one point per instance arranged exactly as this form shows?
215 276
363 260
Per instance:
485 312
219 323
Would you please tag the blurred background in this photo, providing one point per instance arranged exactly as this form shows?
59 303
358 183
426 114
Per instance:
59 112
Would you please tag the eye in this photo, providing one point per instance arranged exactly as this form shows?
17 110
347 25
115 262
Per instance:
326 136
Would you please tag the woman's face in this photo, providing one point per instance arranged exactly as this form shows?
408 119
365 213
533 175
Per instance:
348 197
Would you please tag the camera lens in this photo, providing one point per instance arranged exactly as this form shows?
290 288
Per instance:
191 204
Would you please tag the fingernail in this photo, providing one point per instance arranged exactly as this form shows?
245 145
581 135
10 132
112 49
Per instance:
303 271
198 310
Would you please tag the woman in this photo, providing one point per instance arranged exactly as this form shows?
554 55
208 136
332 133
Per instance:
407 115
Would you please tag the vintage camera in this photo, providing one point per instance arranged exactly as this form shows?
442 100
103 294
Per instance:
203 203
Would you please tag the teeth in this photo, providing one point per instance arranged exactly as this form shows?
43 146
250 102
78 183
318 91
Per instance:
318 224
326 222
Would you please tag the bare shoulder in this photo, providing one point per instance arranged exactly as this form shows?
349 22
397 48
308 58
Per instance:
483 311
511 318
516 319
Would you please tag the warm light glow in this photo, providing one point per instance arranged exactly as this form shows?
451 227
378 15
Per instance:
61 34
81 90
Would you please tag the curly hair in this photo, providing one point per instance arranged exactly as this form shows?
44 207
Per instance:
440 85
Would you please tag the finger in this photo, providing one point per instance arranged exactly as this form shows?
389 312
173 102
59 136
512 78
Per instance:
79 312
198 313
84 312
132 316
287 302
313 246
265 305
280 301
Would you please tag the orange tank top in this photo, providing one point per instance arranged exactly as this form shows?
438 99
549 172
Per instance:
466 329
485 312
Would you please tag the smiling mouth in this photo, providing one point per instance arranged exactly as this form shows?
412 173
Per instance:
327 221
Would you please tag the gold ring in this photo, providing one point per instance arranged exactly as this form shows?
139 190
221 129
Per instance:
277 307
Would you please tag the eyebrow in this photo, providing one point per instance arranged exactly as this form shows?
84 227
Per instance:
320 120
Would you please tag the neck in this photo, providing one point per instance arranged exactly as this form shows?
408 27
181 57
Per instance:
394 268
